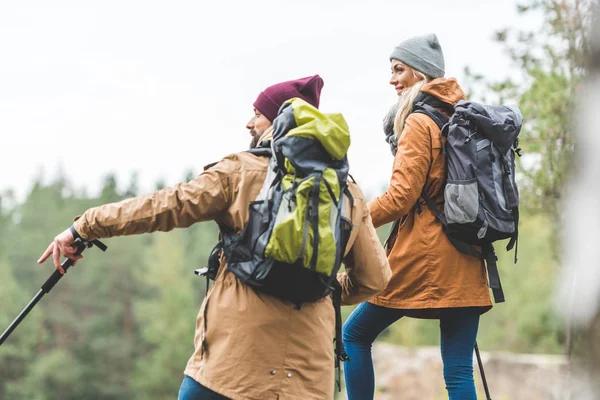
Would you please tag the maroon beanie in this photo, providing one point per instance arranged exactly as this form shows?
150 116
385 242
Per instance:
270 100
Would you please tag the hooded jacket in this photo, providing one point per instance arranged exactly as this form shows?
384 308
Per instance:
249 345
428 273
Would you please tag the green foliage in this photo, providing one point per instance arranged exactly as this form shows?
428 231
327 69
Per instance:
547 105
120 325
550 62
169 302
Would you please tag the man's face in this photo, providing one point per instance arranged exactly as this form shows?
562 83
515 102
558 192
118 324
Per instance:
257 125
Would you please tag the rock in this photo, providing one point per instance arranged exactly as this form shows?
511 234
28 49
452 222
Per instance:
416 374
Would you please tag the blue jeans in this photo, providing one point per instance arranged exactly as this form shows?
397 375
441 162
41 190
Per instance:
458 328
192 390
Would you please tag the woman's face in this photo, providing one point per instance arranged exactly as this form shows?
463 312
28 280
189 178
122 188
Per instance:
403 76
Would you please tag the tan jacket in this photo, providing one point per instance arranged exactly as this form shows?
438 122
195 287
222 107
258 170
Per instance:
249 345
428 271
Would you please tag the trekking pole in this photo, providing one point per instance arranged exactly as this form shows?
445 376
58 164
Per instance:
49 284
485 386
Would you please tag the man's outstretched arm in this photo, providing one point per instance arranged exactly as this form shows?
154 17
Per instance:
201 199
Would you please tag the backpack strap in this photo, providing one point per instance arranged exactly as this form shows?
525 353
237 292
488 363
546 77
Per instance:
348 194
514 241
336 296
262 150
429 105
393 229
437 116
214 262
346 222
424 97
491 261
512 203
340 352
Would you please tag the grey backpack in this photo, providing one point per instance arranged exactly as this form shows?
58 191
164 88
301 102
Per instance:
481 198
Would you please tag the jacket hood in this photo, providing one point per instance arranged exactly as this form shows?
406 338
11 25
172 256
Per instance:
445 89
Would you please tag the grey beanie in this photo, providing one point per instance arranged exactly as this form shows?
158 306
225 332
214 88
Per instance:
422 53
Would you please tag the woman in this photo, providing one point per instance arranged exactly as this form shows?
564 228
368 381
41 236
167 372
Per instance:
430 278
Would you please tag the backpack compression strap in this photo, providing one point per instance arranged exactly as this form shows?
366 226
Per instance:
314 215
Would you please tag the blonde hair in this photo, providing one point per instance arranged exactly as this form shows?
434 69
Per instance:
405 104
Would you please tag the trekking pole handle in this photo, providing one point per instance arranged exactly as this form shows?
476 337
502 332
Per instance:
81 246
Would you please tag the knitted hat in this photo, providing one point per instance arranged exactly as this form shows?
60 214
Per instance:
270 100
422 53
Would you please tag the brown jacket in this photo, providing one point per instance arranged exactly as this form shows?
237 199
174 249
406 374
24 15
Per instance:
427 270
249 345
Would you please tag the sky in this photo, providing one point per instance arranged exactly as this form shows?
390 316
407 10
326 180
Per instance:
163 88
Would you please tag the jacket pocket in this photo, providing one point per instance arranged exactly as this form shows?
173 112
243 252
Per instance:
461 201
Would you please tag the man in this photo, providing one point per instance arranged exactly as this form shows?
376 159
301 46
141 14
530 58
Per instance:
248 345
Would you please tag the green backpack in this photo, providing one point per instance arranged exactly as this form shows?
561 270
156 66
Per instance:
295 238
293 243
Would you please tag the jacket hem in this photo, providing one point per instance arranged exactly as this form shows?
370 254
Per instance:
431 304
196 375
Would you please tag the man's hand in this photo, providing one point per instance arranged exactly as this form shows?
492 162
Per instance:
61 245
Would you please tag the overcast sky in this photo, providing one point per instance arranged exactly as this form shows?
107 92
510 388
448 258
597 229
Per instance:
162 88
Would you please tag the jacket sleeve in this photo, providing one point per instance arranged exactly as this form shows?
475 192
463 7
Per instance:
367 271
411 166
201 199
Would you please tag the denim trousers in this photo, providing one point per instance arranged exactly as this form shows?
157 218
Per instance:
458 331
192 390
